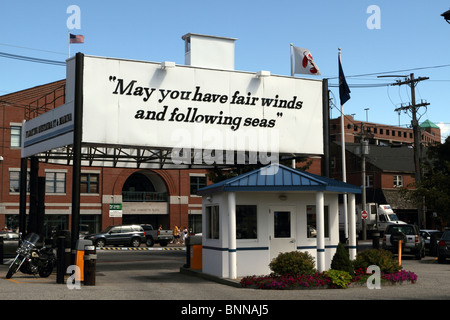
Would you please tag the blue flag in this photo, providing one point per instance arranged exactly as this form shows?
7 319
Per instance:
344 90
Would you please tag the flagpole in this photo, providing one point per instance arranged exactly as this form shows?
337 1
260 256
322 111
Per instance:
69 41
344 170
292 64
293 161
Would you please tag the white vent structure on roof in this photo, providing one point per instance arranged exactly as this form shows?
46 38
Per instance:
209 51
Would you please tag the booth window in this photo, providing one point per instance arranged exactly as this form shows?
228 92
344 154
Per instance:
311 222
246 226
282 224
212 222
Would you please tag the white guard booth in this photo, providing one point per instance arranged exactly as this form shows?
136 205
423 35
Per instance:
249 219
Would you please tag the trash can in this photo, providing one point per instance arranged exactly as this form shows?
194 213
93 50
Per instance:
376 240
79 255
89 258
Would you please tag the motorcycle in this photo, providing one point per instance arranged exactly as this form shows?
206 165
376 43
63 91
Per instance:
33 260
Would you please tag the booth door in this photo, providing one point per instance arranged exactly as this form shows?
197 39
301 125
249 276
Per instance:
281 230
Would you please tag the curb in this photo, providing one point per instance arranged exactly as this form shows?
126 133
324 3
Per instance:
140 249
200 274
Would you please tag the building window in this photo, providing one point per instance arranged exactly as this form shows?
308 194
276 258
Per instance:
398 181
16 134
55 182
89 182
246 222
14 181
369 181
197 182
381 131
311 222
212 222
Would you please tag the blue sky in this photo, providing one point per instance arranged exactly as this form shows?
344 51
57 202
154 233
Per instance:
412 37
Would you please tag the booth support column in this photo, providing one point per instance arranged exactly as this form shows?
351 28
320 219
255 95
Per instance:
77 134
232 235
320 225
352 225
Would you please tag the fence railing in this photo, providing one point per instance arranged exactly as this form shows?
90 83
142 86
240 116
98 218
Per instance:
143 196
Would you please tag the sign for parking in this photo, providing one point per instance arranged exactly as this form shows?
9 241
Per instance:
115 210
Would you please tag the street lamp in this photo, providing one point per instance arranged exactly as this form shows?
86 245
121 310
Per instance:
446 16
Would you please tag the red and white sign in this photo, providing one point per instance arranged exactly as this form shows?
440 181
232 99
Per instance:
364 214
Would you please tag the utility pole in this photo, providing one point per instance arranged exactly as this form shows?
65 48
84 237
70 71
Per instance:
416 132
364 152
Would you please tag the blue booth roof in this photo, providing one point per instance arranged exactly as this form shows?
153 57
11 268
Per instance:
277 177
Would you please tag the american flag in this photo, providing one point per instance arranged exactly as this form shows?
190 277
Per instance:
76 38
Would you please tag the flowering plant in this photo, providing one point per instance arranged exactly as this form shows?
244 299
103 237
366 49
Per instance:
328 279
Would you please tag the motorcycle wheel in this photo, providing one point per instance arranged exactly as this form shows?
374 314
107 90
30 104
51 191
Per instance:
47 270
13 268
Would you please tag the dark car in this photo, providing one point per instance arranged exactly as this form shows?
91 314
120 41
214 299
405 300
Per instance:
444 247
10 243
429 235
126 235
409 235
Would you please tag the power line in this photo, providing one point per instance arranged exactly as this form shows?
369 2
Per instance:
34 49
32 59
395 71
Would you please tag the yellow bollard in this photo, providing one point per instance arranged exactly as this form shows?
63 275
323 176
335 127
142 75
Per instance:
400 252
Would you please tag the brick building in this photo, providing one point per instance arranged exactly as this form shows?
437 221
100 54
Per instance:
382 134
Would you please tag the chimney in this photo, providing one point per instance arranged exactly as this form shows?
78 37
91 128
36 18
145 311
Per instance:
209 51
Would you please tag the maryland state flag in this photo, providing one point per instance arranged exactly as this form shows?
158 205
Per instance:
304 63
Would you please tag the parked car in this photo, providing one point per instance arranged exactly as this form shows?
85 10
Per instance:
163 237
10 243
127 235
412 242
427 236
444 247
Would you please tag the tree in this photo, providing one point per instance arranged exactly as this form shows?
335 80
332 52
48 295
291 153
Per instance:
435 183
341 260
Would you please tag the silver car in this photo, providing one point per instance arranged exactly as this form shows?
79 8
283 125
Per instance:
10 243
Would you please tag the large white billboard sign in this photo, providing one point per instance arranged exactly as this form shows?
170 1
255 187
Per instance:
135 103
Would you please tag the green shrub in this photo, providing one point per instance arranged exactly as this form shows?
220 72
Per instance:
339 278
293 263
384 259
341 260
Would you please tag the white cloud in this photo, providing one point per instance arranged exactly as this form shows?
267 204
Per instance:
445 130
